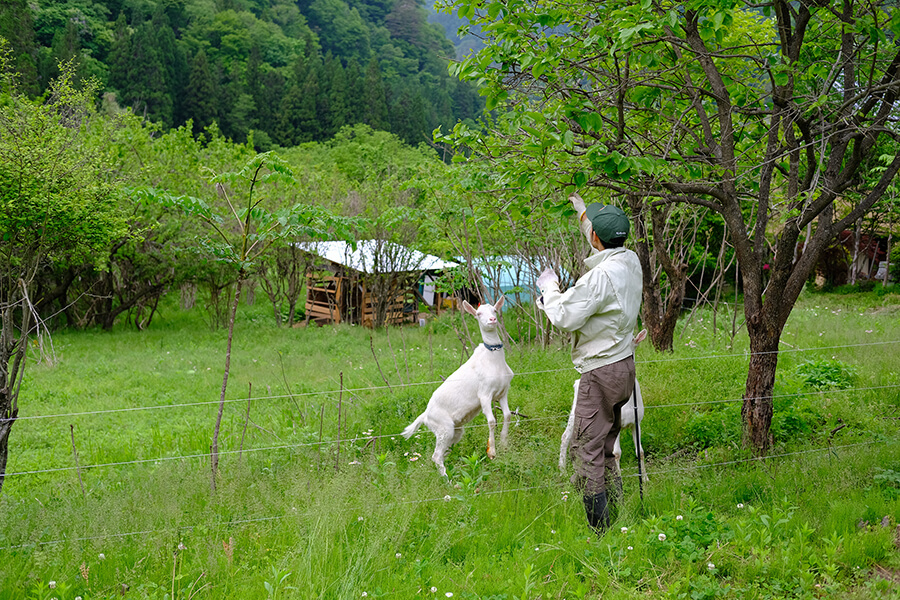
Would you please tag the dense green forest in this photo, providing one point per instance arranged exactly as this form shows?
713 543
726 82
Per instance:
274 71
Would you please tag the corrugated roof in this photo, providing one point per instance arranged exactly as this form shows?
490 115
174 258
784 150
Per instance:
376 256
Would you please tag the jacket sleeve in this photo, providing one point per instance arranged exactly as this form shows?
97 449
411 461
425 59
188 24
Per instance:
571 309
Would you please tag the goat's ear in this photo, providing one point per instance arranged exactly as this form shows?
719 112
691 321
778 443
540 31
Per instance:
640 337
499 303
468 308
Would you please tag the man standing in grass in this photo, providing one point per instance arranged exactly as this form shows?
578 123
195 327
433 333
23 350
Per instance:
601 309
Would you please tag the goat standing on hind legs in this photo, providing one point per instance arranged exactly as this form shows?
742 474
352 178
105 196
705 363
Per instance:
471 389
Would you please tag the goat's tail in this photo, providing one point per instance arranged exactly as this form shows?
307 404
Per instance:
414 426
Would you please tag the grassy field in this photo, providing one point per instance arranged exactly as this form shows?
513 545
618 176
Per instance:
319 497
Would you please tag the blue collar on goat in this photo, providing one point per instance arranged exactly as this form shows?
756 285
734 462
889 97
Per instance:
493 347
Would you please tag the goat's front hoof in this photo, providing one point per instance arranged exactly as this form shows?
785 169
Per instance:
491 453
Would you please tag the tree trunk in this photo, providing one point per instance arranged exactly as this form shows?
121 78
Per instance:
215 441
7 418
757 408
13 351
659 317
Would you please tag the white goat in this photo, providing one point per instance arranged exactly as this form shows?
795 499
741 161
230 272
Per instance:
627 417
473 387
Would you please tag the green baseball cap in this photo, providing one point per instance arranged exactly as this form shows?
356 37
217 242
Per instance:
610 222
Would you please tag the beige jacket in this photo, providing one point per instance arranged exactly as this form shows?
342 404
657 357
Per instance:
601 308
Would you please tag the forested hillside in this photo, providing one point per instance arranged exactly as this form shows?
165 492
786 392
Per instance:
287 71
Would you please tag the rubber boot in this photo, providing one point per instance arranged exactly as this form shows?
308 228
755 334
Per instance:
597 511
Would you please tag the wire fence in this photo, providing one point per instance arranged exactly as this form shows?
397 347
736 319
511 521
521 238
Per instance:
369 438
561 417
356 390
565 487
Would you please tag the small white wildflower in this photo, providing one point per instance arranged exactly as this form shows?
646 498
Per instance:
679 518
398 555
182 546
406 454
624 530
101 556
52 585
433 589
662 537
537 549
365 594
359 518
631 547
77 597
552 531
413 458
740 505
449 594
565 496
710 566
354 462
869 330
447 498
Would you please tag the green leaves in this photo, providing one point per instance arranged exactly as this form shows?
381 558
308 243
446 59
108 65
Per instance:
58 199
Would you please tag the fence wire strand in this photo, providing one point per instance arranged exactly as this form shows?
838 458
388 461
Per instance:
369 438
428 383
446 498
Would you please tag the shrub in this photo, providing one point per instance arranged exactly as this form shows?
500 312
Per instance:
894 267
794 417
714 428
826 374
888 481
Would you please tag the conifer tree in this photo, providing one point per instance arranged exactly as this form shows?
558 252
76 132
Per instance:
17 27
174 65
118 59
65 47
289 129
200 95
355 92
409 117
375 108
313 108
337 93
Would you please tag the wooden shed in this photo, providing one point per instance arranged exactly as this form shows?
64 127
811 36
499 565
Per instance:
378 283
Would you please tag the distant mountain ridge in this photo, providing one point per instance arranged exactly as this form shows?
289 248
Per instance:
289 72
451 23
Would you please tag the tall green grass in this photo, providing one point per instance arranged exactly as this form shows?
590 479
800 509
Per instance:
291 518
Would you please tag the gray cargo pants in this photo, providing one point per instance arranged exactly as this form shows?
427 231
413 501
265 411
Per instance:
598 418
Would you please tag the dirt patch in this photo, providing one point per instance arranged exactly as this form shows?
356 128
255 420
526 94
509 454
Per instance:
892 575
884 311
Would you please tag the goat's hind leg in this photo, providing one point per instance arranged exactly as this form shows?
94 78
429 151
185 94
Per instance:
488 411
507 416
445 436
566 440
